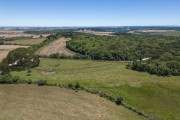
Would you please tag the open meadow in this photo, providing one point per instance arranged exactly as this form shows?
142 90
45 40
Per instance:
31 102
159 97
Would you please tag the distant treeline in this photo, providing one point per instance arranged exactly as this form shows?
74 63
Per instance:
47 31
129 28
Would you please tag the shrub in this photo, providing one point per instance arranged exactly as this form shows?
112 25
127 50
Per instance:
79 56
77 85
8 79
42 82
15 79
29 71
29 74
119 100
55 55
29 81
70 85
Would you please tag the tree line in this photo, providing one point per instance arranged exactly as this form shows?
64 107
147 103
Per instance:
163 52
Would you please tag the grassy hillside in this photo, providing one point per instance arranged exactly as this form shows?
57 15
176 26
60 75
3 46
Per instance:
51 103
158 97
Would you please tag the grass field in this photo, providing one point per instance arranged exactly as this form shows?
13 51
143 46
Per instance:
32 41
158 97
30 102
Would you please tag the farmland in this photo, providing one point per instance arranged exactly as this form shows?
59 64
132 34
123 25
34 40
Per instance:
156 96
4 50
17 33
140 93
31 41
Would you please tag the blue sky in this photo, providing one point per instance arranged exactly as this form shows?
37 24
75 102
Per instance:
89 12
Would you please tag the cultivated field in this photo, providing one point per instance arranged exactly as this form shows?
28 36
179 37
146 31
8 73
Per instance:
18 33
58 46
97 33
155 31
159 97
30 102
4 50
31 41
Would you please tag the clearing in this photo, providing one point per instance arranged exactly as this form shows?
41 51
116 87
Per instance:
30 102
157 96
31 41
4 50
58 46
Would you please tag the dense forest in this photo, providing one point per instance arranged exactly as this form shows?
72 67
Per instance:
154 54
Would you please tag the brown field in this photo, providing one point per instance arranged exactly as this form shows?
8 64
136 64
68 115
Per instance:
30 102
4 50
17 33
59 46
31 41
97 33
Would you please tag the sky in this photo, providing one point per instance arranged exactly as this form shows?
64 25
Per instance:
61 13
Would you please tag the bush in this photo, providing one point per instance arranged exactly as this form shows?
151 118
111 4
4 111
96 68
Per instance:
119 100
29 81
29 74
79 56
15 79
8 79
42 82
77 85
55 55
29 71
70 85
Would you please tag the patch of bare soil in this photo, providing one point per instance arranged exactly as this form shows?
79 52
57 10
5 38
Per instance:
58 46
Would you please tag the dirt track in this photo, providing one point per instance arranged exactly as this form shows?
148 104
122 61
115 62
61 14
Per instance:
58 46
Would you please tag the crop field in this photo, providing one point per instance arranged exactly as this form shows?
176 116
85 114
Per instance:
158 97
18 33
159 32
58 46
4 50
32 41
52 103
98 33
